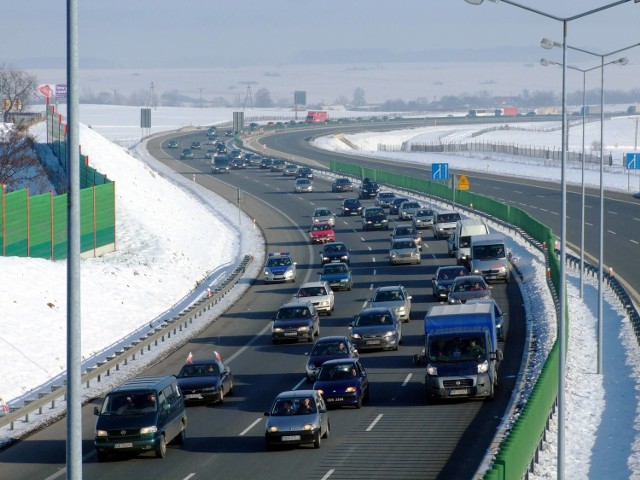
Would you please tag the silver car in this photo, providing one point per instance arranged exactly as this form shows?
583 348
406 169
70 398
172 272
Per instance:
384 199
323 214
404 250
303 185
407 210
405 231
319 294
297 417
394 297
375 328
423 218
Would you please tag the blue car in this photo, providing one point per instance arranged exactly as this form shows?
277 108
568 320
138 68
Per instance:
343 382
280 268
337 275
325 349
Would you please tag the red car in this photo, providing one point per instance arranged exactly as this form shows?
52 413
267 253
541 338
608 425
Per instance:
322 233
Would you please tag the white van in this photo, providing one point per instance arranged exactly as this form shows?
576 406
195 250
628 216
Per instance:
489 257
458 242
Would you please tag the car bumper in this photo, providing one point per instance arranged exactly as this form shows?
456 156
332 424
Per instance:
202 397
458 387
291 438
292 336
279 278
404 260
146 444
338 400
376 343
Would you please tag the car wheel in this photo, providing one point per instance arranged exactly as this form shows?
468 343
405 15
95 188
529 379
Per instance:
359 402
366 395
230 391
222 394
326 433
317 441
349 287
182 436
161 451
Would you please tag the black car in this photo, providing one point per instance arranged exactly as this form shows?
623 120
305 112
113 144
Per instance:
172 144
394 206
196 145
304 172
443 279
266 163
351 206
207 380
342 185
328 348
335 252
368 189
374 218
186 153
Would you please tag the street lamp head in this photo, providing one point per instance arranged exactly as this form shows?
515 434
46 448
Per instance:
545 63
623 60
549 44
474 2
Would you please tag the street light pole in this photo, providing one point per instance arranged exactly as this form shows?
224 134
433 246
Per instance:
563 236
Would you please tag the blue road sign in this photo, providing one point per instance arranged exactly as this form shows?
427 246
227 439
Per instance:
633 161
439 171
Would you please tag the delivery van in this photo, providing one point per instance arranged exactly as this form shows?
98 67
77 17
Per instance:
458 243
141 415
489 257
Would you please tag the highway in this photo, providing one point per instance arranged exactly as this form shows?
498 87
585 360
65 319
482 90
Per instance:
396 435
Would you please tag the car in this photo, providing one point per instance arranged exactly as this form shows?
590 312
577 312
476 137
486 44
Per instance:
280 268
236 153
278 165
342 184
468 287
290 170
444 223
322 233
350 206
186 153
205 380
220 164
394 297
384 198
304 172
323 214
406 231
337 275
266 163
228 133
195 145
342 382
335 252
374 218
211 141
328 348
376 328
394 206
209 154
303 185
172 144
422 218
295 320
498 314
403 251
319 294
368 189
253 159
407 210
236 164
443 279
291 422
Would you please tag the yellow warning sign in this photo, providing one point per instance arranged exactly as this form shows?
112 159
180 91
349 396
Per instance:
463 183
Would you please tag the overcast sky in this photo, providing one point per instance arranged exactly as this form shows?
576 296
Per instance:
161 33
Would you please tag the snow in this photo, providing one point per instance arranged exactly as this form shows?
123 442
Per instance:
158 270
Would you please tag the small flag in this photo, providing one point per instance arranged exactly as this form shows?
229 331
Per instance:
4 408
217 355
190 357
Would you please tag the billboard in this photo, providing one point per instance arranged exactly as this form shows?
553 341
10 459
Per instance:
300 97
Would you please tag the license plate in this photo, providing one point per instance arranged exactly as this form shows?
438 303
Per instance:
123 445
291 334
335 399
373 342
192 395
459 391
290 438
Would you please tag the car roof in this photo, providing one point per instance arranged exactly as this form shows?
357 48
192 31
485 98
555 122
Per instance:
469 278
374 310
314 284
453 267
297 394
389 287
332 338
297 302
339 361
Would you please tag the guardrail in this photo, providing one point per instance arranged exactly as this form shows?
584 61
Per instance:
129 353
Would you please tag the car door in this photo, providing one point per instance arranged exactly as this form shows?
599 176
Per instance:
362 379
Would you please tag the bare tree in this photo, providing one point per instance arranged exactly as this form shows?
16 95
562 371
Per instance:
19 165
17 89
358 97
263 98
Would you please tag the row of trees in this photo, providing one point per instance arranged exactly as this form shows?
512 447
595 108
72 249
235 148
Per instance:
17 89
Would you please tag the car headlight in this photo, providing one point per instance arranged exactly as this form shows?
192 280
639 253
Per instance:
288 273
344 258
145 430
277 329
266 272
320 391
431 370
309 426
394 254
351 390
401 309
303 329
356 335
384 221
476 271
325 258
273 429
101 433
483 367
390 333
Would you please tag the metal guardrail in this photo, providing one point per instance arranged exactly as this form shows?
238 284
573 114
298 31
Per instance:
165 330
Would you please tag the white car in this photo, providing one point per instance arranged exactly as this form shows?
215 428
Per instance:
322 215
303 185
319 294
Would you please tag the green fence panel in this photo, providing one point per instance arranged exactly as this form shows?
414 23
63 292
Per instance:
40 221
59 227
15 223
105 220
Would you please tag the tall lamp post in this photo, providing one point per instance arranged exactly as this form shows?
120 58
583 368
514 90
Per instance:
545 63
546 43
563 223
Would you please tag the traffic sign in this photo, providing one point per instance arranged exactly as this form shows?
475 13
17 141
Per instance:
439 171
463 183
633 161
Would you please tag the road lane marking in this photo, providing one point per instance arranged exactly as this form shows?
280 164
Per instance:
544 209
406 380
249 343
612 213
373 424
299 384
191 475
370 249
517 191
590 224
634 241
244 432
328 474
361 238
612 232
554 213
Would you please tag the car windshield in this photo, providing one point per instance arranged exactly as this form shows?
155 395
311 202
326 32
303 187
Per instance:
312 292
468 286
457 349
387 195
292 313
293 406
448 217
485 252
399 201
201 370
405 231
278 262
303 181
403 244
322 213
388 296
330 269
371 319
334 248
351 203
344 181
321 226
410 205
341 371
451 273
129 403
329 348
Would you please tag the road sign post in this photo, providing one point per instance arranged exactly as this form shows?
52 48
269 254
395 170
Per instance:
632 162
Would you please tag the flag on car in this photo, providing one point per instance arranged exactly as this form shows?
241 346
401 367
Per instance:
190 357
217 355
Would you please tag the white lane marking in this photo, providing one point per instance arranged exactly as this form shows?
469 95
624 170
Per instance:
590 224
612 232
249 343
370 249
374 271
362 238
637 219
191 475
589 206
371 287
517 191
634 241
406 380
244 432
373 259
328 474
299 384
312 204
612 213
554 213
373 424
544 209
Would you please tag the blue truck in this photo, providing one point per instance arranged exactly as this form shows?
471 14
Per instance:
461 351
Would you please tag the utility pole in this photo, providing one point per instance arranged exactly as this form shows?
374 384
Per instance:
152 96
201 89
248 98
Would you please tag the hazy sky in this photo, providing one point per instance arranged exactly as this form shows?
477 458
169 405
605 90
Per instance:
161 33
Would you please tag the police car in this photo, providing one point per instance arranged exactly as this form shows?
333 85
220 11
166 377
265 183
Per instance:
280 268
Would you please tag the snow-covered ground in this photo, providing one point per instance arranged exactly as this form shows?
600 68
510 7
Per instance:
155 269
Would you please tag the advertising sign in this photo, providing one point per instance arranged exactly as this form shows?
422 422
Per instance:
61 90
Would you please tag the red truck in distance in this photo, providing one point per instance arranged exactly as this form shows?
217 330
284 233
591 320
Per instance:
317 117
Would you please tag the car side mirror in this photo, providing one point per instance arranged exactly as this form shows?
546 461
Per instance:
322 410
409 297
96 411
266 414
351 324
